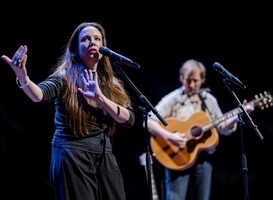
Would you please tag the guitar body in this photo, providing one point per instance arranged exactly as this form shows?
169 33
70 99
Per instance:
180 159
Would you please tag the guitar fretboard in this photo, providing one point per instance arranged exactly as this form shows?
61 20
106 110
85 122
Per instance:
223 118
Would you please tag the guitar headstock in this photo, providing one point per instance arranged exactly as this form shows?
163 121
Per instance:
263 100
142 159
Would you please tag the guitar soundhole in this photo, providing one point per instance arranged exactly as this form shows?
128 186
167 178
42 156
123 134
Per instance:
196 131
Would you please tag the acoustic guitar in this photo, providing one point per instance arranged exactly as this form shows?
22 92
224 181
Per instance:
201 134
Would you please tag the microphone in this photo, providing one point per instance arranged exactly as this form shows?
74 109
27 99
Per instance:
218 67
107 52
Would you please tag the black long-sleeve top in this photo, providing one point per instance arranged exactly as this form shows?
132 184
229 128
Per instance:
53 88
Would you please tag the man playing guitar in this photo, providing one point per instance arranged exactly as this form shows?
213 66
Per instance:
193 103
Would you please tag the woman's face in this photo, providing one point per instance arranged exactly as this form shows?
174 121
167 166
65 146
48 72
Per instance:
90 40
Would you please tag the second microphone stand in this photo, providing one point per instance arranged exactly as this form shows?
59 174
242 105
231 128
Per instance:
241 122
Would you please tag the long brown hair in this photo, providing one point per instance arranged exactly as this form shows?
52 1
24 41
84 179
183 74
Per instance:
70 67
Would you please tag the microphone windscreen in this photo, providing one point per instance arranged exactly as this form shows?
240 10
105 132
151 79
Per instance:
103 50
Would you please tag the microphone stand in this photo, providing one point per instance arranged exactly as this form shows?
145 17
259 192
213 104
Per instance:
144 100
241 122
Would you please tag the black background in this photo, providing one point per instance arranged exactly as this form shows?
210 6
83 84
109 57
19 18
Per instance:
159 37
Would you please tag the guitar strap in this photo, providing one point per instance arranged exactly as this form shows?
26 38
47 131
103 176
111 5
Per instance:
204 106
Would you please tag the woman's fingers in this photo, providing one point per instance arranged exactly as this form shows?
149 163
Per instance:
19 55
6 59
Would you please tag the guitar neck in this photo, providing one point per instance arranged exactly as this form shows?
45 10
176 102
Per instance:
228 115
221 119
